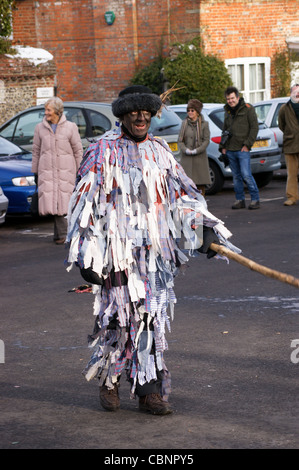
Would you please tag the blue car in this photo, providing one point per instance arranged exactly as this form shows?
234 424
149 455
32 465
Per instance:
16 178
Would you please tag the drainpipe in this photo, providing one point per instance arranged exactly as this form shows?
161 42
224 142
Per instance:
168 21
135 33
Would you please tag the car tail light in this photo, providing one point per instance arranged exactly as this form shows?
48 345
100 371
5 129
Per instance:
216 139
275 137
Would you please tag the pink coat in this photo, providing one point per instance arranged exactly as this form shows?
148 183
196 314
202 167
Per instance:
56 159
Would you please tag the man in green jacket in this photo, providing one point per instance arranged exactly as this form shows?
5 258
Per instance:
288 122
239 134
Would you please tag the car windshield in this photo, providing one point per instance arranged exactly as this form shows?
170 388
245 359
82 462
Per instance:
168 123
8 148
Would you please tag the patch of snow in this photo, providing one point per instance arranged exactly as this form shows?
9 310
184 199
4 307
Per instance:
35 55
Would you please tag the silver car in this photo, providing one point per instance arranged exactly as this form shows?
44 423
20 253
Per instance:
93 120
267 111
3 206
265 153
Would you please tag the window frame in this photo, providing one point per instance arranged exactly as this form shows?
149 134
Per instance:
246 62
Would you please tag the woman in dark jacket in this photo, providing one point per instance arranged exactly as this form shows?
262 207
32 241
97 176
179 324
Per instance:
193 140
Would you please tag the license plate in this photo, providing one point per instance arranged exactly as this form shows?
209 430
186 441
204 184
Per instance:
173 146
260 143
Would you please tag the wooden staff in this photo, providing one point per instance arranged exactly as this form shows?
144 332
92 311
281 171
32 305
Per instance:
222 250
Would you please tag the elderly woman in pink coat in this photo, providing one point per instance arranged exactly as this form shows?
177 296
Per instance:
56 155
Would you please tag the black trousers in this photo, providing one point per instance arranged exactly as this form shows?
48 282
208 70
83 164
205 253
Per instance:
154 386
60 227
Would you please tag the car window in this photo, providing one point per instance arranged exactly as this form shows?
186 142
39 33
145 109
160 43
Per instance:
8 131
98 123
168 123
76 115
217 117
181 114
274 122
262 111
23 131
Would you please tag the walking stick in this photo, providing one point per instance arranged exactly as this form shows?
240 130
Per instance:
222 250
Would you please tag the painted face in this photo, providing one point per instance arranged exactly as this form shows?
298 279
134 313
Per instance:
137 122
50 114
232 100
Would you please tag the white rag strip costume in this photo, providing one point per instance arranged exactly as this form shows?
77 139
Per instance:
131 205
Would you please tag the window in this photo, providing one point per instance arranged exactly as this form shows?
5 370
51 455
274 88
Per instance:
262 111
274 122
76 115
21 130
98 122
218 117
168 123
8 131
293 45
251 75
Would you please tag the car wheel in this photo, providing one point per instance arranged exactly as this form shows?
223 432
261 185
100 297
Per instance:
262 179
217 179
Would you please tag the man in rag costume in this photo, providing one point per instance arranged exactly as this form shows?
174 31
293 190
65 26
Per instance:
131 204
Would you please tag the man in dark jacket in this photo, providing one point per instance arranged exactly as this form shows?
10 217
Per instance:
288 122
239 134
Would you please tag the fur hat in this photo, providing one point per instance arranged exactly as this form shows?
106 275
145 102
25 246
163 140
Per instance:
195 104
136 98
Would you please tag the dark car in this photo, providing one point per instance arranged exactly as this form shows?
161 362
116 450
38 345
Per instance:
16 177
93 120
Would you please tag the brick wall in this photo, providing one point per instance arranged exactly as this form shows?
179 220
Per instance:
95 60
251 28
19 80
238 28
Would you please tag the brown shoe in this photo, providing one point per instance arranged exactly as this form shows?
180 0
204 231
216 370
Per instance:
154 404
60 241
254 205
239 204
109 399
289 202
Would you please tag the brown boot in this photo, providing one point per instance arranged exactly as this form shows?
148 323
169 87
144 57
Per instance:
154 404
109 399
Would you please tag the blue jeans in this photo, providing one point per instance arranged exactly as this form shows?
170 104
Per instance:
239 163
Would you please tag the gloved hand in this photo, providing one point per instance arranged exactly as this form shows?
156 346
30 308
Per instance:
224 159
209 236
190 152
90 276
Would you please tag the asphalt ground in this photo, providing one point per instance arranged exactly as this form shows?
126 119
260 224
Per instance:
232 350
